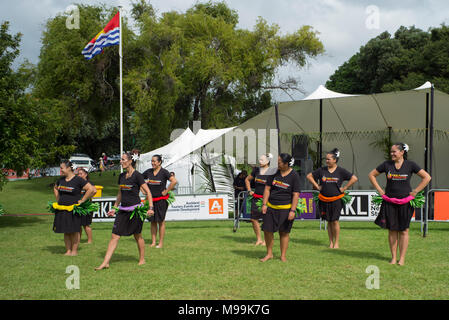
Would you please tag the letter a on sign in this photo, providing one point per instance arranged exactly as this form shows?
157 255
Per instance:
215 206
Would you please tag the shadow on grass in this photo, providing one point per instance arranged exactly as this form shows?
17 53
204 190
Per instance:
358 254
311 242
252 254
19 221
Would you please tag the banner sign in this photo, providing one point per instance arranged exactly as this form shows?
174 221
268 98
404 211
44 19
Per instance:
360 208
186 207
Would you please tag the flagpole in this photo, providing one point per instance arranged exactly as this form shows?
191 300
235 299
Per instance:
121 85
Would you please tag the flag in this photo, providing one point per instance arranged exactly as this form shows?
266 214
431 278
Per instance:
109 36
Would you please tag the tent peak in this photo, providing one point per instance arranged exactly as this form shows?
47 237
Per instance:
426 85
323 93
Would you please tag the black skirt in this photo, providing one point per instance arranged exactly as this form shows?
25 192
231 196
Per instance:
66 222
86 220
160 210
331 211
394 217
256 213
277 220
123 226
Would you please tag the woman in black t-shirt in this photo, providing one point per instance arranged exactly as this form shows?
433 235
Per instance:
398 172
68 192
130 183
280 198
259 175
330 186
86 220
156 178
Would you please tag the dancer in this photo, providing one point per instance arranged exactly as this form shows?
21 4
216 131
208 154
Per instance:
260 175
86 220
131 213
68 194
397 217
156 178
280 199
331 192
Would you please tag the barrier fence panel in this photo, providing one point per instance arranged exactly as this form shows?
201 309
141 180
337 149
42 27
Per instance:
436 210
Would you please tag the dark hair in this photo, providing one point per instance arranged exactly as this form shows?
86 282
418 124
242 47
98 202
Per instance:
335 154
129 155
158 157
68 164
286 158
87 173
402 146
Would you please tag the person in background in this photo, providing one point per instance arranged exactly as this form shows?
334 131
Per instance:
86 220
239 186
68 192
259 175
330 180
156 178
280 199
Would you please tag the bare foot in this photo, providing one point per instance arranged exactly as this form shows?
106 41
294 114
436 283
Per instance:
152 245
102 267
266 258
141 262
401 263
336 246
159 246
68 253
393 261
74 254
260 243
284 259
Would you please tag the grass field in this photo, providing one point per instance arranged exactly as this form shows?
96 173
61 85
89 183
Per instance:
206 260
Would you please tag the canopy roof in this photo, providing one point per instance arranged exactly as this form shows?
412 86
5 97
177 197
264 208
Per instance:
357 123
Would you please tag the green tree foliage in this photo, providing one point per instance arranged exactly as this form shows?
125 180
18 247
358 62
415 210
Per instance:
86 91
403 61
178 67
198 65
27 125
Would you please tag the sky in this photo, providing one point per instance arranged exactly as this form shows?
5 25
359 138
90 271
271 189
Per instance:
343 25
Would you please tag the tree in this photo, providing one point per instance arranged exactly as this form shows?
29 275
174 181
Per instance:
27 126
404 61
86 92
198 65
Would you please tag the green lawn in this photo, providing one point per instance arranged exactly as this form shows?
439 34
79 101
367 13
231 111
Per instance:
206 260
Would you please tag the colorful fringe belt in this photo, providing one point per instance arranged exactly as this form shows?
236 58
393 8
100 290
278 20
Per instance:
279 206
398 201
161 198
415 202
330 199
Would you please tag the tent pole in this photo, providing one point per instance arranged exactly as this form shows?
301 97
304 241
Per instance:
276 108
320 147
426 157
432 95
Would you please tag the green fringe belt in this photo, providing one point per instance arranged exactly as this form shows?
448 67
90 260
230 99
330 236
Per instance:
83 209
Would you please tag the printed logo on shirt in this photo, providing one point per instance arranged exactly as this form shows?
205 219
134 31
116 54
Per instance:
258 180
65 189
280 184
396 176
329 179
153 182
126 187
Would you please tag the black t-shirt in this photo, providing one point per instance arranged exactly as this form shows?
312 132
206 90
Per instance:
331 182
398 181
84 191
156 183
130 188
239 182
282 188
260 180
70 191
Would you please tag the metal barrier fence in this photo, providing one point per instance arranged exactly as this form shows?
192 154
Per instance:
425 217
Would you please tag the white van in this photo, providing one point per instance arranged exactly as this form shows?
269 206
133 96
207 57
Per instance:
80 160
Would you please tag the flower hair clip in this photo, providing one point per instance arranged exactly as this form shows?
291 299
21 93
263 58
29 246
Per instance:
270 156
337 154
406 147
135 157
292 162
